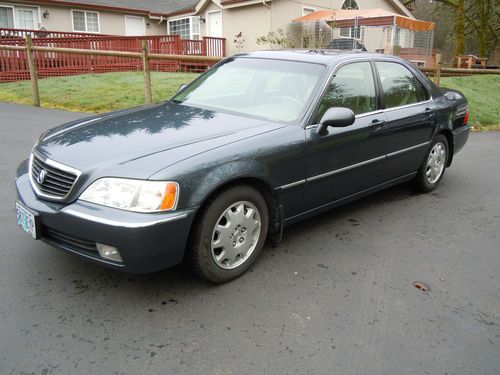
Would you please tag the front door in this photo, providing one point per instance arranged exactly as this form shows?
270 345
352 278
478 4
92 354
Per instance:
214 22
134 26
346 160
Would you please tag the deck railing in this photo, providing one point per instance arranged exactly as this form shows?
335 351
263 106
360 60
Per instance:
14 64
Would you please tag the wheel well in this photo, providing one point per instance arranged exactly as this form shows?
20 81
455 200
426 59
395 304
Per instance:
269 196
449 137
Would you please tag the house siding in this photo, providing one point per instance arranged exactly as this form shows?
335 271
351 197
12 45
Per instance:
113 23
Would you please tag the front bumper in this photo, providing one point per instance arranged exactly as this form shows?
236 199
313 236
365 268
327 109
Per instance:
146 242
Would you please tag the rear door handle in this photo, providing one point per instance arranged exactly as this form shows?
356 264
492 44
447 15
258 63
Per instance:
430 111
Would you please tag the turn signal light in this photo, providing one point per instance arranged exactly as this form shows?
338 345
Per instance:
170 197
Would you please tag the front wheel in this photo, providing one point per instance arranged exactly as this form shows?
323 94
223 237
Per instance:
229 234
432 169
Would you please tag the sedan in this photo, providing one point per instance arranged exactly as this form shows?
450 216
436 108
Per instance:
260 141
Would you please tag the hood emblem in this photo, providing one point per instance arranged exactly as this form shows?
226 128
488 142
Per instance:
40 178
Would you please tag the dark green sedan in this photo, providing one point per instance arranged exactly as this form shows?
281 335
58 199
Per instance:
258 142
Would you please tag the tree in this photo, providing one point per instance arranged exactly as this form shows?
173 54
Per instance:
484 17
459 7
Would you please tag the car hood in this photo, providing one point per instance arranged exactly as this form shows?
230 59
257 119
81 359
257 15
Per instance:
122 138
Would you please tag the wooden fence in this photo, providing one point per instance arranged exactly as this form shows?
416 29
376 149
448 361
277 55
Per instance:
143 60
146 58
14 63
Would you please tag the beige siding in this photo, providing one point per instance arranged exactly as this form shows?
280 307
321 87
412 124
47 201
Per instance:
253 21
60 19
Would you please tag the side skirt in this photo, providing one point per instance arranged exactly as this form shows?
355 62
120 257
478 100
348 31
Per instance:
347 199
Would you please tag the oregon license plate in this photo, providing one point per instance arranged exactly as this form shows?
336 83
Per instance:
26 220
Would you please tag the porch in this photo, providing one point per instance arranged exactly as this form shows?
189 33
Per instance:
14 64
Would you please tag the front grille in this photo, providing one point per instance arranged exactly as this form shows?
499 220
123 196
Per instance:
68 241
50 180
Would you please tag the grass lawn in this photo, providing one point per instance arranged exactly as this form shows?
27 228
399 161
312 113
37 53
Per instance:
483 94
95 92
105 92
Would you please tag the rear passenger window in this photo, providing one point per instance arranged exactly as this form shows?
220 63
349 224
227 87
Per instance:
399 85
352 87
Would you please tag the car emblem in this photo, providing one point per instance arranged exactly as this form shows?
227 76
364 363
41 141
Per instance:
41 176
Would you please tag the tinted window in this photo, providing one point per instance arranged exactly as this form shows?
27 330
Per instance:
352 87
400 85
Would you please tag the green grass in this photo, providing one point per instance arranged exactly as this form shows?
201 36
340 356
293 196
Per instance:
95 93
483 94
106 92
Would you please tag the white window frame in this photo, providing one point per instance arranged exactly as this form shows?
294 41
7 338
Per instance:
13 13
304 9
37 19
85 17
190 26
207 30
137 17
31 9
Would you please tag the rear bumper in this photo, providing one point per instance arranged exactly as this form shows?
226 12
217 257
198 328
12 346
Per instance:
460 137
146 242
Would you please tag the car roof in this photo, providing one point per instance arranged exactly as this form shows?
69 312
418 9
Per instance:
318 56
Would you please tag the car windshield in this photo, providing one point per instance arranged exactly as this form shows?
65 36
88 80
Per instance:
272 89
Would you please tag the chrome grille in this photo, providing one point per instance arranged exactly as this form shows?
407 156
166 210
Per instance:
50 179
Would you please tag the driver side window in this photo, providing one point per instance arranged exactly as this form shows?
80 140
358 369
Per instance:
353 88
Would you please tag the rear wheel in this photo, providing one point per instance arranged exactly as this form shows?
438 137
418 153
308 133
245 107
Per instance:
432 169
229 234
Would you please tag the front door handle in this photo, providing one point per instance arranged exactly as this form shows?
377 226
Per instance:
379 124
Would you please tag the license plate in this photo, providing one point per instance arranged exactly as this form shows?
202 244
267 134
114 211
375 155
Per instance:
27 220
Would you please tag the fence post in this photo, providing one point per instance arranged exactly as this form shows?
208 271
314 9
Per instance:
147 72
32 67
437 74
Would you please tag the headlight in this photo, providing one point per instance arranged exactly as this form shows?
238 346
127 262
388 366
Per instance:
133 195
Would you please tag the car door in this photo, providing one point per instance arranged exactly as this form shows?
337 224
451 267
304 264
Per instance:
344 161
410 118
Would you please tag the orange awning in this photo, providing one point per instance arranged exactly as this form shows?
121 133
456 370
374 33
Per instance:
366 17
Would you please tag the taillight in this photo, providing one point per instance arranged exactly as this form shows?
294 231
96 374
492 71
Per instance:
466 118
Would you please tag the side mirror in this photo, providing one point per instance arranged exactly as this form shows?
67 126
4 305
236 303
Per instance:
181 87
337 117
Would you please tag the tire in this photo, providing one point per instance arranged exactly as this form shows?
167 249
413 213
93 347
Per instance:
228 234
432 169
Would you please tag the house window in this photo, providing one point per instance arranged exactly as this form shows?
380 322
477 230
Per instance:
350 32
186 28
6 18
350 4
85 21
26 19
307 10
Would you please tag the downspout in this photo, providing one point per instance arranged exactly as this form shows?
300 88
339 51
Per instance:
160 21
264 2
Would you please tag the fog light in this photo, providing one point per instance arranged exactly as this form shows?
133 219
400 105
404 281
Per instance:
109 252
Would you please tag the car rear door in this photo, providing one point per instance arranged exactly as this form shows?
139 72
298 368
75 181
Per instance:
347 160
410 117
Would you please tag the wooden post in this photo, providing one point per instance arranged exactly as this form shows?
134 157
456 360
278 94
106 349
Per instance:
437 74
32 67
147 72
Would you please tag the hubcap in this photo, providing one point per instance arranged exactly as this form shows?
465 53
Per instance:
235 235
435 163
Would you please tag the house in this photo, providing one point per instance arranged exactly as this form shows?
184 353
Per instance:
189 18
110 17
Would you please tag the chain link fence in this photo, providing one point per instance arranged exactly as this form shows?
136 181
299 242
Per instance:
415 46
